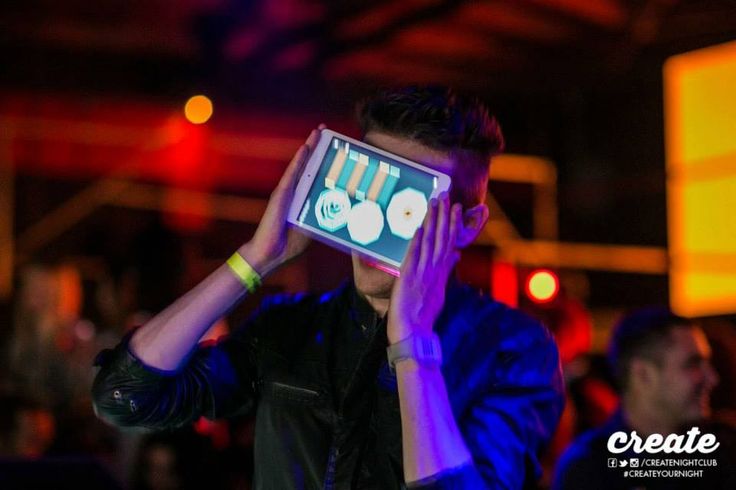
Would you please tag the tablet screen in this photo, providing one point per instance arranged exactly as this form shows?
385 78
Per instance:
367 201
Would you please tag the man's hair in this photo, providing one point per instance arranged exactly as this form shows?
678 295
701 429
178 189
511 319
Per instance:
443 120
642 334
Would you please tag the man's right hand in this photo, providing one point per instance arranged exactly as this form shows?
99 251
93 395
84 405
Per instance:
166 339
274 243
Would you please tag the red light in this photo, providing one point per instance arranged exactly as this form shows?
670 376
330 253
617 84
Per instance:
504 283
542 286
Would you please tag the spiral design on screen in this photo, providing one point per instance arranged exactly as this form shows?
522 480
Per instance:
331 209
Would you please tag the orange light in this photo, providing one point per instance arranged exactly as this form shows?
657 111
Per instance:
700 110
542 286
198 109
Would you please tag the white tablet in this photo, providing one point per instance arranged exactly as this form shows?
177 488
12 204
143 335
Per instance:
354 196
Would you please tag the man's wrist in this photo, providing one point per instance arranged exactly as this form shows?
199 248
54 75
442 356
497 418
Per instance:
257 260
246 274
424 348
411 367
398 330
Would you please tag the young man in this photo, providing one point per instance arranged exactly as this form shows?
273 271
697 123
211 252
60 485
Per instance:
330 411
662 366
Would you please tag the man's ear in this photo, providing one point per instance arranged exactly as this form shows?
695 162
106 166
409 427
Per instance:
642 374
474 219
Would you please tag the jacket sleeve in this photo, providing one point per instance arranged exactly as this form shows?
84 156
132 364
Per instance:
514 416
576 466
216 381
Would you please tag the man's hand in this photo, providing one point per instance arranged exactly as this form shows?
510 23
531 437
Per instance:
273 242
419 293
430 439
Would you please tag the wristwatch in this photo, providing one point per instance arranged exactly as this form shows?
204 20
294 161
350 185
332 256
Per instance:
425 349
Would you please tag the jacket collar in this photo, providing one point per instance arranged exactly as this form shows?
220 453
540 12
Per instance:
368 320
361 311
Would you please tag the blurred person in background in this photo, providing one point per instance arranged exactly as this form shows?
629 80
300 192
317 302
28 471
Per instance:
590 396
721 334
47 357
27 432
177 460
662 367
27 429
51 344
330 411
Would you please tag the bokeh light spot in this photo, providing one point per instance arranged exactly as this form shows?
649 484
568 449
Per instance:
198 109
542 286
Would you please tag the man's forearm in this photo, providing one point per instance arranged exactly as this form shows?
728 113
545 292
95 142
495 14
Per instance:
165 340
432 442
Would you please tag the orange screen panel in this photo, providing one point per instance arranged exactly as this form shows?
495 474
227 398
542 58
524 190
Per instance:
700 118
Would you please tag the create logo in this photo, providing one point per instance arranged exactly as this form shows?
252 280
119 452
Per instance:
693 441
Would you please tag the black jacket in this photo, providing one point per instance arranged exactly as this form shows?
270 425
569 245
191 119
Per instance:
326 423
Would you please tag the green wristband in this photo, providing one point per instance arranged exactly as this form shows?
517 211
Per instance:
244 272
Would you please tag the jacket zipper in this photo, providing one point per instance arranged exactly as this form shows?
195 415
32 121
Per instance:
296 389
330 472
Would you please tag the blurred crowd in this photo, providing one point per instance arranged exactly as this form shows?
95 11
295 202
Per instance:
59 319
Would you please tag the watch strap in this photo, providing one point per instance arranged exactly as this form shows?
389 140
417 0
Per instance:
425 349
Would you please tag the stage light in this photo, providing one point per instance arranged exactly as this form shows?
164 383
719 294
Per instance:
198 109
700 110
542 286
505 283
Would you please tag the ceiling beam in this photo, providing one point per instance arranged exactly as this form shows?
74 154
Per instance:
611 14
434 10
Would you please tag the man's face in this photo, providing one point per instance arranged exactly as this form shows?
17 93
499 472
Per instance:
369 280
685 377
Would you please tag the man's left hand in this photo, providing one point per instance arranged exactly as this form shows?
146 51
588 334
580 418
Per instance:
419 293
